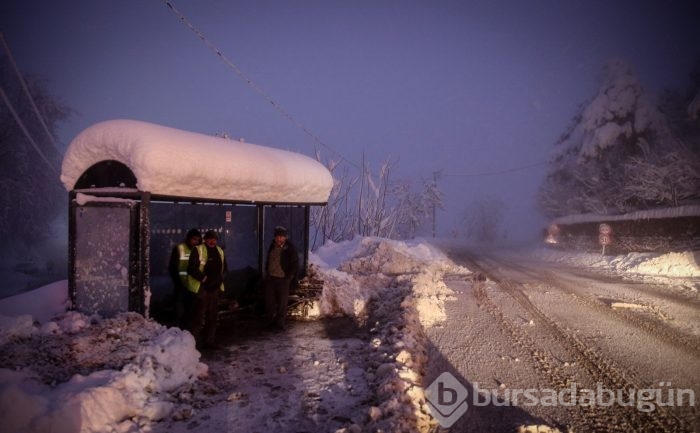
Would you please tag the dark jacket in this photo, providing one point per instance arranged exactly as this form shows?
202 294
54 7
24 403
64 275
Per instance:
289 261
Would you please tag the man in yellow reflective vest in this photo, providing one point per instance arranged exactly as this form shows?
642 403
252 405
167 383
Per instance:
206 270
177 268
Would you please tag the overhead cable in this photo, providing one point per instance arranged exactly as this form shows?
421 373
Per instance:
251 83
25 130
28 93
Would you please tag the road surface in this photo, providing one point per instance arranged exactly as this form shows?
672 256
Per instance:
537 343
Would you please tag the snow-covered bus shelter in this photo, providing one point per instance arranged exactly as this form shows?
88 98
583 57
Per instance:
136 188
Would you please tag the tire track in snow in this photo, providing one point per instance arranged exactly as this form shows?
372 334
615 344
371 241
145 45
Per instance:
655 328
600 368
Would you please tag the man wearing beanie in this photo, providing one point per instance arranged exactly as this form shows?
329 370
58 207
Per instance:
206 270
282 267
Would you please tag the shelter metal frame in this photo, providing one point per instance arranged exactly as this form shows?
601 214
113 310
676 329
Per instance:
140 233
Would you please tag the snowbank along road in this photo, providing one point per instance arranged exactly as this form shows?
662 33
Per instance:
542 344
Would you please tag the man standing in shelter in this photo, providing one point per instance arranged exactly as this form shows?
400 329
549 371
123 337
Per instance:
206 271
282 268
177 268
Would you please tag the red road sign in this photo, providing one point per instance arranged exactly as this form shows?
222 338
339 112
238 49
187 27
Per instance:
605 229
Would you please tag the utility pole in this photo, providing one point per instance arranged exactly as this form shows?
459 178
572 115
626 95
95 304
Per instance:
435 178
359 201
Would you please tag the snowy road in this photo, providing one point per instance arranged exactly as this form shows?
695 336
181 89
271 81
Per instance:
536 334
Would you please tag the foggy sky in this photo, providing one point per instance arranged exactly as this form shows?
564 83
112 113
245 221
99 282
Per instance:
458 86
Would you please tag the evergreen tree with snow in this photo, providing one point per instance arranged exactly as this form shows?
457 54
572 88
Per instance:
619 154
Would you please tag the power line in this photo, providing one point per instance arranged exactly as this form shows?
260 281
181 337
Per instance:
286 114
25 130
251 83
29 95
495 173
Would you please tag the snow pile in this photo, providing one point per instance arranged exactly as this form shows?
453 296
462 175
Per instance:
342 294
77 373
354 271
429 296
398 288
42 303
682 264
677 264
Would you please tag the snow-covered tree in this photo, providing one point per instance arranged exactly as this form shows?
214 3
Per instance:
668 177
394 210
408 212
618 154
432 198
373 205
31 195
682 109
373 211
335 221
482 220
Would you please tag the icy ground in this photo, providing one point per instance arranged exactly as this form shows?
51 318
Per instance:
356 366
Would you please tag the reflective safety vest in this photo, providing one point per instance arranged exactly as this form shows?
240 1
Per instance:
193 284
184 258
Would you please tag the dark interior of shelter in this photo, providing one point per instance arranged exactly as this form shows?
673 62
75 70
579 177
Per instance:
245 252
121 244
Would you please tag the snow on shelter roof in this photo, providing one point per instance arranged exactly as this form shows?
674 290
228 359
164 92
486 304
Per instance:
172 162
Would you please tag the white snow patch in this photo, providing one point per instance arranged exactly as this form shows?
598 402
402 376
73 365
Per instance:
354 271
77 373
42 303
675 264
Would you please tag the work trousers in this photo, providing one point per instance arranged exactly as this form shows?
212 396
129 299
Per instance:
182 298
276 298
205 315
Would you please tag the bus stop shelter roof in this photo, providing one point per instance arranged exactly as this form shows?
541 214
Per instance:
171 162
